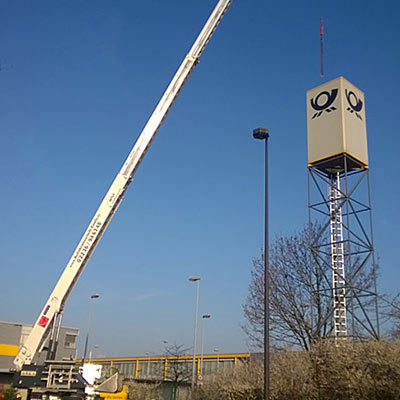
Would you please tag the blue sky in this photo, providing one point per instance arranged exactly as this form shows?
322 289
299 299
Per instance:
79 80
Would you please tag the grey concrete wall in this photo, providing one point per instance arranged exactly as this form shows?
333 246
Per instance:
16 333
10 333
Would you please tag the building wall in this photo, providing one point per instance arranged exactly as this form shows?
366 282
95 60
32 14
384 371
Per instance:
10 335
13 335
156 368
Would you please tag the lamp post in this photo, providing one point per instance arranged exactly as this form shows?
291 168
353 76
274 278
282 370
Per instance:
197 280
148 363
91 353
217 352
204 318
92 297
263 134
165 343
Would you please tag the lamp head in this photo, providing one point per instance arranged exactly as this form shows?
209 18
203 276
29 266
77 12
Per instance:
261 133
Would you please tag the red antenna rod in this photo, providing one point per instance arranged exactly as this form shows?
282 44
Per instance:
321 34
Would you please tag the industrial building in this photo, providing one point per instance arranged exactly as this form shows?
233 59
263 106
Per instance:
14 334
166 367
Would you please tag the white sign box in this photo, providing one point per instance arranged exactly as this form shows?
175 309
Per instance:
336 122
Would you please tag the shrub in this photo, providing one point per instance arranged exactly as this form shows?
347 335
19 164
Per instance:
347 371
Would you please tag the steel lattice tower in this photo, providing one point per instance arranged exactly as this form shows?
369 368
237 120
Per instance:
344 301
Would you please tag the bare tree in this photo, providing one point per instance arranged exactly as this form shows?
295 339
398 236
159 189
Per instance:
301 306
292 285
391 314
179 370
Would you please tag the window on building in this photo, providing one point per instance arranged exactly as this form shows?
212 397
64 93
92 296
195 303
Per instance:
70 341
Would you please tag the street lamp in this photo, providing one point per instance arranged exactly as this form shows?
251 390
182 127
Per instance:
197 280
165 343
92 297
148 363
91 353
204 317
263 134
217 352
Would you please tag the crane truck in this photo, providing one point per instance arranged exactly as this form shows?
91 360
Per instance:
58 379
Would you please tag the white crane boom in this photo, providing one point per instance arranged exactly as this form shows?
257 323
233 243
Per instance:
114 196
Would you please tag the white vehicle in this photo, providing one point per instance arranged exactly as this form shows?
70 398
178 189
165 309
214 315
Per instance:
59 379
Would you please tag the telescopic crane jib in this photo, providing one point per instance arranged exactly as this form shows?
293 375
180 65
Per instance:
53 307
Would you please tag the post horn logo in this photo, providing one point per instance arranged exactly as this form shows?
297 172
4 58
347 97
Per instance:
323 102
355 104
